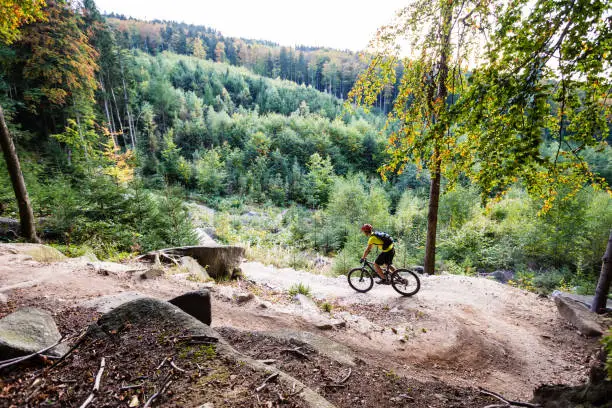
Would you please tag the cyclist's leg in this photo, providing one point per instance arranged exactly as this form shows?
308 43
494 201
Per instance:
390 260
380 260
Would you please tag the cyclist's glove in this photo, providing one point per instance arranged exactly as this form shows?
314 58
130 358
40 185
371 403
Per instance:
362 260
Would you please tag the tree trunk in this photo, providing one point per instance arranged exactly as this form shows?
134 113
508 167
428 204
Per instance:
108 116
26 216
432 221
605 278
125 142
441 94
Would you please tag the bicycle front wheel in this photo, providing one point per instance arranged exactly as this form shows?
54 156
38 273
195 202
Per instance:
360 279
405 282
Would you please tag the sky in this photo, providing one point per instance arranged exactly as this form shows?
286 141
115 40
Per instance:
341 24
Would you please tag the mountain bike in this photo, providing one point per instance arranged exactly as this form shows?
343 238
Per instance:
404 281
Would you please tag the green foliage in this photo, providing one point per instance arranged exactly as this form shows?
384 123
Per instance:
299 288
326 307
607 342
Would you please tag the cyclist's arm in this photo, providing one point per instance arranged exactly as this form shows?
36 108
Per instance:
367 250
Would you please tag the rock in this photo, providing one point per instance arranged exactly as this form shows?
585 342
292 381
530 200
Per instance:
329 324
312 314
243 297
9 228
203 237
191 266
154 272
207 405
579 316
501 276
586 300
105 304
418 268
27 331
38 252
308 305
3 298
148 312
220 261
196 304
329 348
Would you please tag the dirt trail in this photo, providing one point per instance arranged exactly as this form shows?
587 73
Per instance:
461 330
464 330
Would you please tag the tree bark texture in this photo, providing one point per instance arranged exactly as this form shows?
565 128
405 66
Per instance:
605 278
429 265
441 95
26 216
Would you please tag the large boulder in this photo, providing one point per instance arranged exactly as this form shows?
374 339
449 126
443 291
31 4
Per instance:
193 268
196 304
151 312
9 228
220 261
579 316
38 252
27 331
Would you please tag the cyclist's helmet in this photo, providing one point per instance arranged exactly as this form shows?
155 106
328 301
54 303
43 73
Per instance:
366 228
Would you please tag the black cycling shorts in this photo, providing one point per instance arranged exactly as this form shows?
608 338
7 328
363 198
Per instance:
385 258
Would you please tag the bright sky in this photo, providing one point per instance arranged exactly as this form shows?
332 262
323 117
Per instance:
342 24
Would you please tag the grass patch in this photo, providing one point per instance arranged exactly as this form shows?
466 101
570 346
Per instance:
299 288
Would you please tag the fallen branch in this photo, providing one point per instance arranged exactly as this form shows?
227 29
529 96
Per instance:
507 402
202 338
270 361
17 360
77 343
96 386
332 385
265 382
162 363
131 387
177 368
157 394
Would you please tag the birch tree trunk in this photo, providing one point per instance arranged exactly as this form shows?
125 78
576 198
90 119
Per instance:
26 216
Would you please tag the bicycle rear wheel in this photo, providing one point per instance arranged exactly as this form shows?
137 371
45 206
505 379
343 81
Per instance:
405 282
360 279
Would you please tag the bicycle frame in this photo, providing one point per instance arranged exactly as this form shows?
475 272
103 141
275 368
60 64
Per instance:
370 265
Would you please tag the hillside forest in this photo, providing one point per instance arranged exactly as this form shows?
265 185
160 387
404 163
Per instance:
126 129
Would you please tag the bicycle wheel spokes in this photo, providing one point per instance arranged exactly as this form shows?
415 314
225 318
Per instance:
360 279
405 282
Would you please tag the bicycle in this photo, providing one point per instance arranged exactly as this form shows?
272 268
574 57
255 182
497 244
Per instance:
404 281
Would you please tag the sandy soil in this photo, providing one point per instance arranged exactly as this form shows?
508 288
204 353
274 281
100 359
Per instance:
461 331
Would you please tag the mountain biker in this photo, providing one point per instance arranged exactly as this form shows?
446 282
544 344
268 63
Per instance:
383 241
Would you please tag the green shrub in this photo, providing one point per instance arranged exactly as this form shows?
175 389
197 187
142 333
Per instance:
326 307
299 288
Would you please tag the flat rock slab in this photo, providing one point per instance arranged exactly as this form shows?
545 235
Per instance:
312 314
27 331
578 315
105 304
586 300
329 348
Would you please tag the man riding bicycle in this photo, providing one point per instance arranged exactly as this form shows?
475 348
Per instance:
385 243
